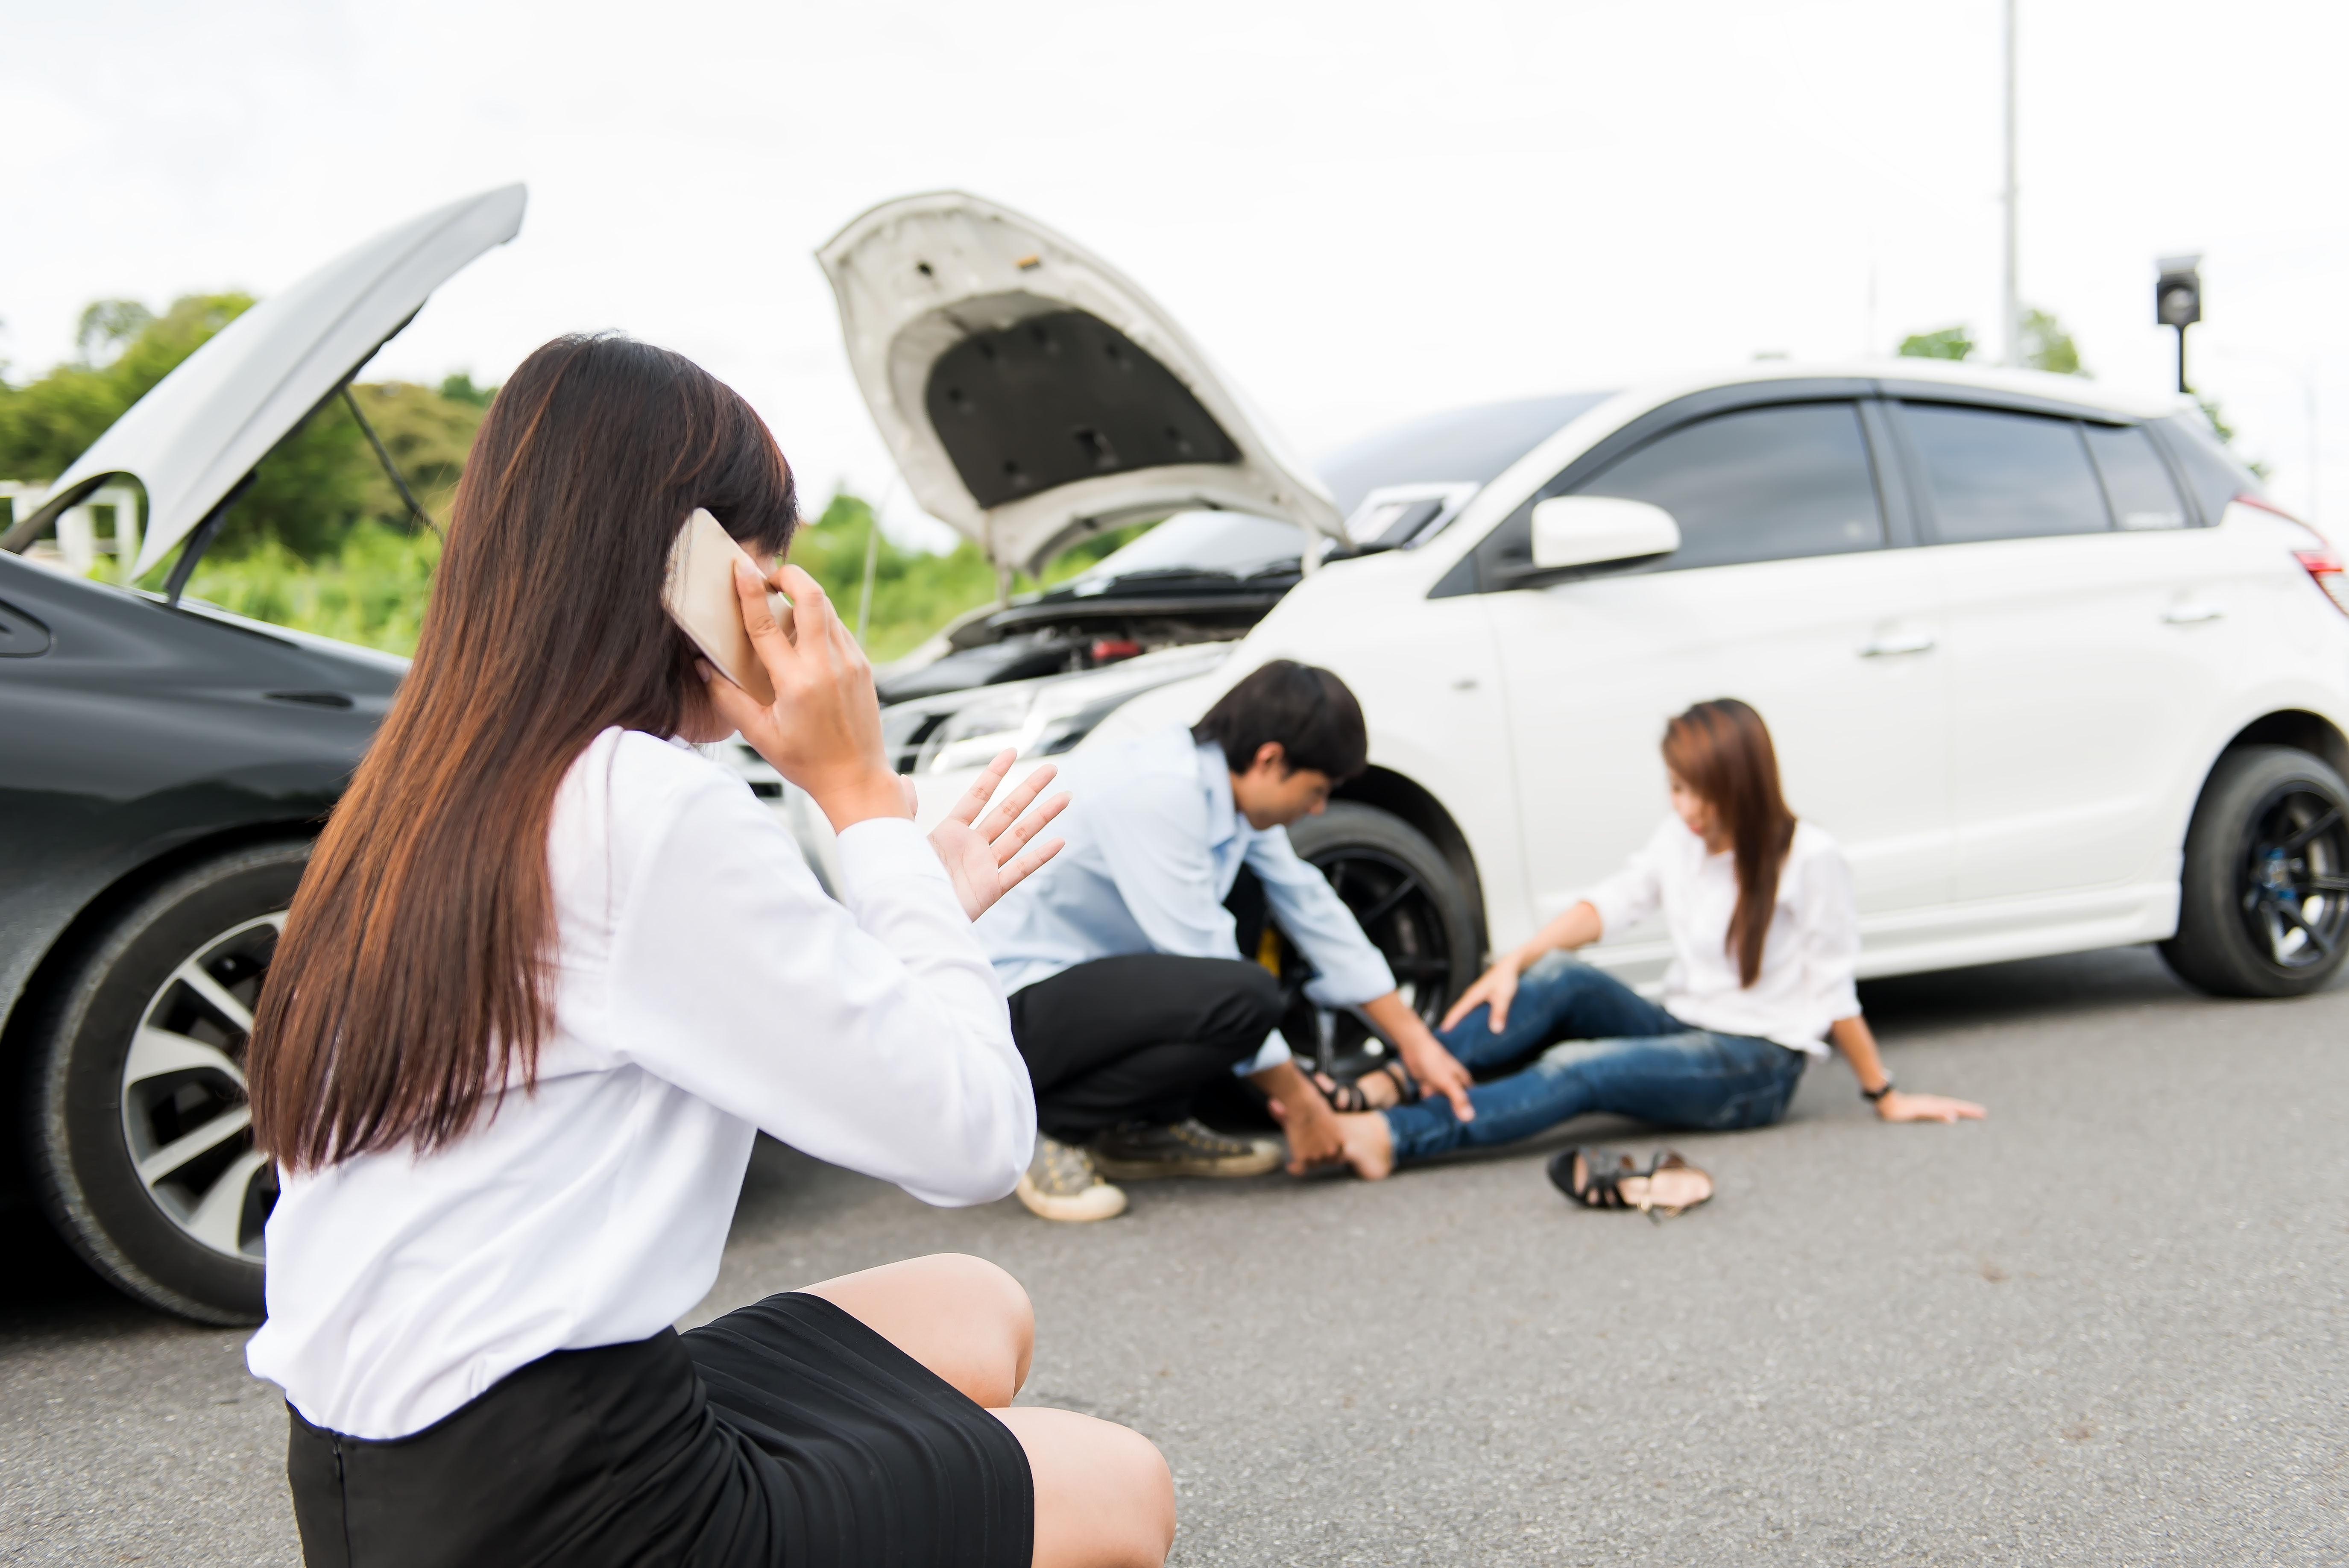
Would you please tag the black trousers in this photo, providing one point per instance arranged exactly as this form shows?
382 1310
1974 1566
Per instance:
1134 1038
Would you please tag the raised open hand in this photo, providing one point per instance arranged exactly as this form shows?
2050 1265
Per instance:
985 859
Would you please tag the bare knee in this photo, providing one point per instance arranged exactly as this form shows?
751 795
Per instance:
1149 1485
1104 1498
992 1297
962 1317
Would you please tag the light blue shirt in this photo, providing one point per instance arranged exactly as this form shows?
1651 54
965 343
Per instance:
1153 846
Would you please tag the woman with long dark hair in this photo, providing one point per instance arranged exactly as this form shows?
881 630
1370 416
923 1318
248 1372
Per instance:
548 975
1765 934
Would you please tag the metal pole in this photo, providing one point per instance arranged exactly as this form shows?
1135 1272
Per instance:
871 559
415 507
2011 303
2315 469
2183 390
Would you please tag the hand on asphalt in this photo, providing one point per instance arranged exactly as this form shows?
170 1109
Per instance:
1897 1107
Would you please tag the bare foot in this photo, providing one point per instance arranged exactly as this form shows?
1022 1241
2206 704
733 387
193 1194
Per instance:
1369 1146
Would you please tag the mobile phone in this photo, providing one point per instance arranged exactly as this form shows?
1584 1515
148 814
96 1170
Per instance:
699 594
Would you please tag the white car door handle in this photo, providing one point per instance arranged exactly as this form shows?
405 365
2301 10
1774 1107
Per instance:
2187 615
1898 642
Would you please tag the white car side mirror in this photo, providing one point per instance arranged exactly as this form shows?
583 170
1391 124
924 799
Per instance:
1587 530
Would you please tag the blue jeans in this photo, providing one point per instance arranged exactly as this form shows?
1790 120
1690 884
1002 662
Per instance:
1608 1050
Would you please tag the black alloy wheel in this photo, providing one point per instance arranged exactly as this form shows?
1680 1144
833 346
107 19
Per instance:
2264 897
1409 901
139 1128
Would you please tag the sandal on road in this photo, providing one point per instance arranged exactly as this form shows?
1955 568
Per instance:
1609 1179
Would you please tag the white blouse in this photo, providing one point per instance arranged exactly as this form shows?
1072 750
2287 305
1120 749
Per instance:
1805 981
704 990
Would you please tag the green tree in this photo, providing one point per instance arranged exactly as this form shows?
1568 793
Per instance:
311 488
1948 343
458 387
107 324
2047 347
323 542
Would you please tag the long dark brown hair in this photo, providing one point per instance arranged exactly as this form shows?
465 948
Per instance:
411 975
1722 750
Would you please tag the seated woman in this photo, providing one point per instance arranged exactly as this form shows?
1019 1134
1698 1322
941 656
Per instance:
1763 933
549 974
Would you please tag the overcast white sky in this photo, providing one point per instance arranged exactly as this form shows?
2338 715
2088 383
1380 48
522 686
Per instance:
1366 212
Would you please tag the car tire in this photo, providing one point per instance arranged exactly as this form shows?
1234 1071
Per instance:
139 1136
1411 904
2263 895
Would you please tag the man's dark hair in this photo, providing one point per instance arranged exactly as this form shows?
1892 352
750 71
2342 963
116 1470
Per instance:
1309 712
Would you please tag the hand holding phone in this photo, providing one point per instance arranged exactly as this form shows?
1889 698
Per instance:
804 700
699 594
799 691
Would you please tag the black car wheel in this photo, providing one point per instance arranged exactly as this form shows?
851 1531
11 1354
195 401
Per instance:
140 1133
1408 901
2264 904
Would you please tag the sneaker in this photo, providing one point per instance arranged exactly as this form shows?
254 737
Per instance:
1060 1183
1138 1151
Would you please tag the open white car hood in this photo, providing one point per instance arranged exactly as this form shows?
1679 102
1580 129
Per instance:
1032 394
202 427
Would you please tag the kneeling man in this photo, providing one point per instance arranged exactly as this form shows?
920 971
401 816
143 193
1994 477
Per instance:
1128 991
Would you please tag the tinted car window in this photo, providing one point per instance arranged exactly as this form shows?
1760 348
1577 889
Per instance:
2212 472
1471 445
2137 481
1761 484
1998 475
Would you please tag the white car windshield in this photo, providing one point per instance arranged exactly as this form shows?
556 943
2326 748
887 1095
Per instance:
1220 543
1469 446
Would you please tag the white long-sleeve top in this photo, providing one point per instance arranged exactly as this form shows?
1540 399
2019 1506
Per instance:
1805 982
705 988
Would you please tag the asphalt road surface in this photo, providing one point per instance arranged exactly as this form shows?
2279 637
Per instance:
2105 1327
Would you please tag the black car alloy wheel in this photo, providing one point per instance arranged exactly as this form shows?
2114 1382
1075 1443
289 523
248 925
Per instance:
2263 907
1408 901
141 1134
2294 874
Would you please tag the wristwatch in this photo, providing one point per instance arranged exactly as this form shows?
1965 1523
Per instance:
1873 1095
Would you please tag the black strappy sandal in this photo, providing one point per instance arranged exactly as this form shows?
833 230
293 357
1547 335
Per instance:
1609 1179
1347 1099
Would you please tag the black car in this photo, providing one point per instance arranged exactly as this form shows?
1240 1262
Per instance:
164 769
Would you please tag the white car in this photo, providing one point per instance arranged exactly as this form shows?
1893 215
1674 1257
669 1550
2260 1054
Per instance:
2035 651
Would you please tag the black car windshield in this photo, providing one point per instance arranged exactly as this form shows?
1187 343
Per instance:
1466 445
1209 542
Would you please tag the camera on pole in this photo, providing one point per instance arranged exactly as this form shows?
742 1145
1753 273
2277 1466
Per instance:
2178 301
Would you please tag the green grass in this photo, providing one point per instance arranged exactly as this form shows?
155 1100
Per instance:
371 591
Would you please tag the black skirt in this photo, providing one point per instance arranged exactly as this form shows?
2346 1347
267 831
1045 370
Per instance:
784 1434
